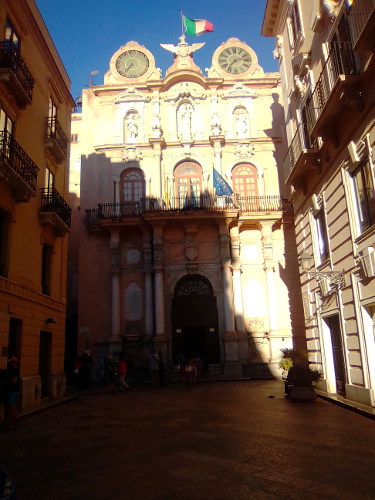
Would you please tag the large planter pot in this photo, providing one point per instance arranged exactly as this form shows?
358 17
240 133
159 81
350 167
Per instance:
302 393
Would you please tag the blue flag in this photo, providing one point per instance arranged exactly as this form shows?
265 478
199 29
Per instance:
221 186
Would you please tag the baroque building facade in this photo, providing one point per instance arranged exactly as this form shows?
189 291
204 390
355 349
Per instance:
35 110
169 256
325 51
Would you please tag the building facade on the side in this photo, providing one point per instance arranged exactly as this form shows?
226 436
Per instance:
185 247
35 108
326 59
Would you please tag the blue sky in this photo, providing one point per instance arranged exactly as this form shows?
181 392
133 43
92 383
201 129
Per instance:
88 32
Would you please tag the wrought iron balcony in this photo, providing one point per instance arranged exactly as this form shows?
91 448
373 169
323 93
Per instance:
362 24
302 155
336 88
17 168
14 75
54 210
202 203
55 139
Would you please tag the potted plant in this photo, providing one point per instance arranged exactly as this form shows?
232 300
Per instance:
301 380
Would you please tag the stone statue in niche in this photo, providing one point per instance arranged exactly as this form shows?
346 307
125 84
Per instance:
299 86
156 128
278 52
242 123
186 113
132 127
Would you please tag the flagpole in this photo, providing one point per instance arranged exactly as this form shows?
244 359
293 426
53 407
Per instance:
182 24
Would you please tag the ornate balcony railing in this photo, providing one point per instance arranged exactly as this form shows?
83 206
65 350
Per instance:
52 201
205 202
301 143
16 158
55 131
11 59
359 14
341 61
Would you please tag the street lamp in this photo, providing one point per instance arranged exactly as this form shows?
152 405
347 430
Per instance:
336 279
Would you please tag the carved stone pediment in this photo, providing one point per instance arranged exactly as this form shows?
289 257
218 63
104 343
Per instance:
132 95
239 90
182 90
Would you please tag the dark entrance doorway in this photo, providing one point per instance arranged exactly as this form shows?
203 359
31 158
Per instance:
195 320
45 362
338 353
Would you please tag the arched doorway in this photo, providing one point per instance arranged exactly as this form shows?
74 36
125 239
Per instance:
195 319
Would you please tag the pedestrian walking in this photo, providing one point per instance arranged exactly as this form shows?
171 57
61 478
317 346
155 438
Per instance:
192 371
110 373
182 367
153 366
122 371
161 368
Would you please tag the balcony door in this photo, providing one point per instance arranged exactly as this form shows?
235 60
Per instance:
341 48
132 191
188 183
246 186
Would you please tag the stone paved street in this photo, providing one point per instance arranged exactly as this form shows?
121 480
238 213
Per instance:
217 441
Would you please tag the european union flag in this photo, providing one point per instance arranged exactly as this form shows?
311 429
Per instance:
221 186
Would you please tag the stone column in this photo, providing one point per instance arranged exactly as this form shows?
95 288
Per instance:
116 195
269 268
217 141
115 339
148 296
157 144
237 285
160 339
232 367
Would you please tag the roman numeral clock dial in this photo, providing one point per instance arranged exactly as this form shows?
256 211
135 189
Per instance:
235 60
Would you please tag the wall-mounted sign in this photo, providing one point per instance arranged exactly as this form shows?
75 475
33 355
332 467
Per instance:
83 329
178 331
212 329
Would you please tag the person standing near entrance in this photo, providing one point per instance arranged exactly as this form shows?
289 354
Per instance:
182 367
153 366
122 371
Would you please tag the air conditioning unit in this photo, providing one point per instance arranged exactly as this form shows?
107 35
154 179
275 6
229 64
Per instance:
368 262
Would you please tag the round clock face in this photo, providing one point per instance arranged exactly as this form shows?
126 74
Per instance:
132 64
235 60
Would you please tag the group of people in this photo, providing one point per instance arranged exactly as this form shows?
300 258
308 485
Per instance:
192 370
9 389
112 370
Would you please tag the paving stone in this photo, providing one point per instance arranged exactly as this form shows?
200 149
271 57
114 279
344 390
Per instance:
218 441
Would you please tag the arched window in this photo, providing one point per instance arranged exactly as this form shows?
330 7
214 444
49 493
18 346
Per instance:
188 182
245 181
132 185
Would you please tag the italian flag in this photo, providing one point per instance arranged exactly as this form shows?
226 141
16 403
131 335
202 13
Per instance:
197 26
